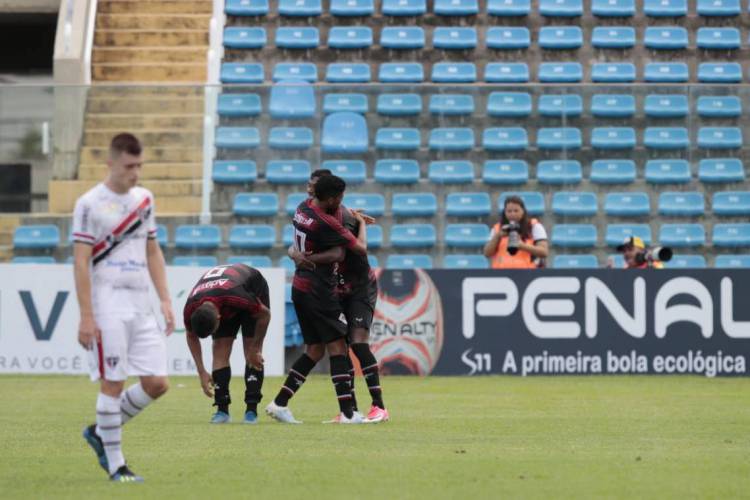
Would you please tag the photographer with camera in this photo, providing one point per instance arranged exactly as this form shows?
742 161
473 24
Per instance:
517 241
638 256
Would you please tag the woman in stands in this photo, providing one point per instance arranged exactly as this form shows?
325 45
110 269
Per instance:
517 241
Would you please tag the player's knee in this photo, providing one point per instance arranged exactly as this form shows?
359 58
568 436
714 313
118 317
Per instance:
156 387
360 335
315 351
337 348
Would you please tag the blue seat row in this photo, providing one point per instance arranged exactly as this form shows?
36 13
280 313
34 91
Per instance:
673 235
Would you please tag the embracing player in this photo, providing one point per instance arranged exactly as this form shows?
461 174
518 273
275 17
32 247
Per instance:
225 299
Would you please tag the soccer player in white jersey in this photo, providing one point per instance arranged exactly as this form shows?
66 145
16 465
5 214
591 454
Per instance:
116 256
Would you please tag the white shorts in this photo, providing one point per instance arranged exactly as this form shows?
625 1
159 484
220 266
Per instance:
132 344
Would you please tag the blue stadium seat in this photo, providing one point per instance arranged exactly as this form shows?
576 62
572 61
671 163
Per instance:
461 261
451 172
613 138
666 138
404 139
666 72
719 106
560 37
287 171
613 37
344 133
666 106
468 204
194 236
352 8
456 7
374 236
731 203
397 171
239 105
533 200
462 72
506 73
559 106
297 37
372 203
612 105
505 139
354 103
508 38
399 104
561 8
559 138
237 137
574 235
34 259
295 71
451 104
581 261
241 73
252 236
629 204
665 38
613 73
617 233
613 171
505 172
509 104
454 38
466 235
508 8
719 170
686 261
559 172
290 138
665 8
292 202
667 172
348 73
195 261
38 236
404 7
350 37
451 139
718 7
373 261
246 7
401 73
300 8
720 73
681 203
560 72
352 171
255 261
287 235
613 8
256 204
413 235
402 37
288 265
732 261
731 235
719 138
682 235
411 261
574 204
718 38
290 100
414 204
234 171
161 235
244 37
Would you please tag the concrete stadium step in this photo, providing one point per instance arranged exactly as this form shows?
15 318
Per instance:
192 154
110 91
127 72
117 123
150 171
155 6
187 21
151 55
155 106
172 196
149 138
150 38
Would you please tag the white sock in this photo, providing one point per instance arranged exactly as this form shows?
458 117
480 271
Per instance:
133 401
109 428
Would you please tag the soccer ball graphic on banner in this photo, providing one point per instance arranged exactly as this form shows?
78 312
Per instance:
407 331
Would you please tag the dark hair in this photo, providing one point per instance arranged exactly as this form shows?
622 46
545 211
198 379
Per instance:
203 320
125 143
320 173
525 221
329 186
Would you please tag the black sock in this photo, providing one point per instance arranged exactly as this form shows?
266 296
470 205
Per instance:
221 377
253 385
351 383
297 376
340 378
370 370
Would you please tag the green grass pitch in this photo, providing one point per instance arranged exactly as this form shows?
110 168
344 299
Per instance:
466 438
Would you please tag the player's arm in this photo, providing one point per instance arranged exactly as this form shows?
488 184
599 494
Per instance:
262 317
87 329
158 271
334 254
194 344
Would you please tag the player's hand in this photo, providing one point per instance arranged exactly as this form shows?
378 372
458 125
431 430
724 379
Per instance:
363 217
303 262
88 333
256 360
166 310
207 383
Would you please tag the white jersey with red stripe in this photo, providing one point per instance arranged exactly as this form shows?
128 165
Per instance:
117 227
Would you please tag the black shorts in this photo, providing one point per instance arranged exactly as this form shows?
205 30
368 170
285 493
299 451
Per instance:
359 306
320 319
228 328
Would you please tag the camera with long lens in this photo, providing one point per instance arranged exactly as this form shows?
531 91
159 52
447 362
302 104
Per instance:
514 237
661 254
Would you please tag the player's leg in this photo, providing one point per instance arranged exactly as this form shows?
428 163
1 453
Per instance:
222 375
278 408
337 352
253 380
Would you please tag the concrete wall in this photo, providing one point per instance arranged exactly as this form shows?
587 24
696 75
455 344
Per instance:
29 6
